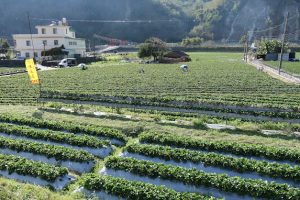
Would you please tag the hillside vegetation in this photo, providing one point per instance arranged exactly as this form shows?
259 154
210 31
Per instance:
211 19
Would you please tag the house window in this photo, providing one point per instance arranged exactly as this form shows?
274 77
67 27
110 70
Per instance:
72 43
43 31
55 42
66 31
36 54
27 54
45 42
54 30
28 43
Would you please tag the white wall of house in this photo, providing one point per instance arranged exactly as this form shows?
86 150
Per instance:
54 35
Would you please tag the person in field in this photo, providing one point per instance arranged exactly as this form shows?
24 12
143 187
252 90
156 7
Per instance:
184 68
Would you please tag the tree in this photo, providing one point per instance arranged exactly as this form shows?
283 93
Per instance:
4 46
243 39
154 47
270 46
192 41
57 51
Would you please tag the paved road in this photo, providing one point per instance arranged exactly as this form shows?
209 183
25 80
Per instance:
274 73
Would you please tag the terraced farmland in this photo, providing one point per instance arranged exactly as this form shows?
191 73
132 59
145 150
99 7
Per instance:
110 164
206 144
39 155
212 169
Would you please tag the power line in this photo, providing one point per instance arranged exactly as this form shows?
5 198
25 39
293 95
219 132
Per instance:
283 41
274 27
112 21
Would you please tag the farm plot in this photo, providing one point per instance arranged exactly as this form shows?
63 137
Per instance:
43 149
33 172
289 67
213 169
116 137
214 78
212 85
11 70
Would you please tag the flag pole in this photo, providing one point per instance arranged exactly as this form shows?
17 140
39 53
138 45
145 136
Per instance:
33 50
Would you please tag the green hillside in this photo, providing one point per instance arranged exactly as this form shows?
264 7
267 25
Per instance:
211 19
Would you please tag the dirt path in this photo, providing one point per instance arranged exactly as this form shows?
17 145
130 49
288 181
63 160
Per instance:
40 67
274 73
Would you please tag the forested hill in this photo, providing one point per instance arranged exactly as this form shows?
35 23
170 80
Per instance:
210 19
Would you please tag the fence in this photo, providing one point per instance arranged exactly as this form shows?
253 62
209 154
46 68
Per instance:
12 63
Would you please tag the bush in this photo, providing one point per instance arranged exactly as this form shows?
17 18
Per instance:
270 46
194 41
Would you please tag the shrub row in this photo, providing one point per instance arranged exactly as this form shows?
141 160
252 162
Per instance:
274 153
135 190
252 187
51 151
276 170
54 136
22 166
71 127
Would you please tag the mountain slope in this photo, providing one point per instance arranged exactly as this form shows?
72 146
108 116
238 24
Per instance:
211 19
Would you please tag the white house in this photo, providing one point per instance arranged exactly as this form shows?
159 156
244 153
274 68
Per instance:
50 36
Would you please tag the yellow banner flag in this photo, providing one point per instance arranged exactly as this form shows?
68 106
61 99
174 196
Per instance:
30 66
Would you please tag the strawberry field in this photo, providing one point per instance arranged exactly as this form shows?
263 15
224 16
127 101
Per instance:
111 163
214 78
140 153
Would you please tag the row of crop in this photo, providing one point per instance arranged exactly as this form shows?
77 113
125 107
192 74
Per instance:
276 170
135 190
159 102
275 153
54 136
213 100
50 151
72 127
252 187
22 166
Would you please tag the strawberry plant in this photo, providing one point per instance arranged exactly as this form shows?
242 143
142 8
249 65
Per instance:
252 187
276 170
22 166
135 190
221 146
51 151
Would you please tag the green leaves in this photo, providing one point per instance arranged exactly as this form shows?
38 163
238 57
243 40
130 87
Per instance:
135 190
222 146
252 187
25 167
283 171
60 126
54 136
51 151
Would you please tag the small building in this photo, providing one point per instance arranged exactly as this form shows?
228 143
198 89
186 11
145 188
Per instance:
176 56
48 37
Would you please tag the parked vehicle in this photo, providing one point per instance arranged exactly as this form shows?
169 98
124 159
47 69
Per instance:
67 62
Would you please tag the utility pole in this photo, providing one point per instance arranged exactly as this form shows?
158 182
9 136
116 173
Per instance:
30 30
247 48
283 41
40 84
